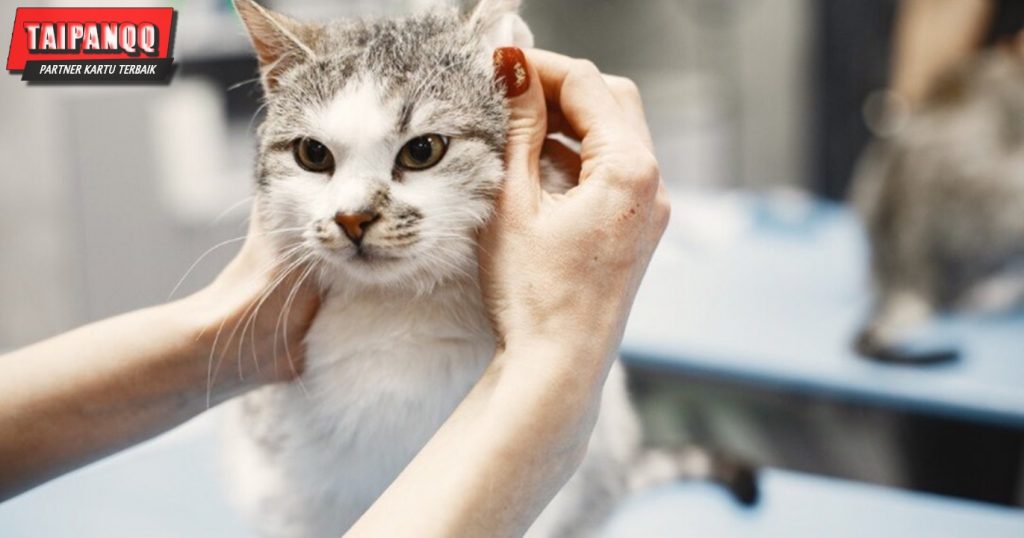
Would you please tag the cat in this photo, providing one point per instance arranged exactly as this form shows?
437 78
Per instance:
943 202
380 156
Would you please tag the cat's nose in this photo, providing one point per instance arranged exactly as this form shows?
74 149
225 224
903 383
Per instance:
355 224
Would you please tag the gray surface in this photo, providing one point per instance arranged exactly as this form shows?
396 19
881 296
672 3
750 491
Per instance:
770 291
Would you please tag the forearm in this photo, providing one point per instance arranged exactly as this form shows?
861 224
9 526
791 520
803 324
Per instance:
504 452
77 397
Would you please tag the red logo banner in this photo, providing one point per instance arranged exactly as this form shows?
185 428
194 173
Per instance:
45 38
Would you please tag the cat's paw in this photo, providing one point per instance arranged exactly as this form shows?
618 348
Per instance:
872 344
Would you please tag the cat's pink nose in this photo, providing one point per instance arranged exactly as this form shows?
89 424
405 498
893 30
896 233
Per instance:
355 224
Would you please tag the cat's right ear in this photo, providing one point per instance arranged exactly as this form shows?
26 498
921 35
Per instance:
280 41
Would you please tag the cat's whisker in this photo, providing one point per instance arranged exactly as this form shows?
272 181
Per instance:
244 318
217 246
256 114
289 302
199 259
249 316
307 258
237 85
281 314
253 317
231 208
445 235
447 264
212 366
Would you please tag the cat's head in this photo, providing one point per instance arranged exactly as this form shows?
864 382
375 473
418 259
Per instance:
381 151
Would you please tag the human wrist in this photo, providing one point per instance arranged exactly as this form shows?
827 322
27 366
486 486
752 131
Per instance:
587 335
571 366
549 392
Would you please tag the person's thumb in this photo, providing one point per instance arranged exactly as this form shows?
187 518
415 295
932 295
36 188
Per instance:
527 126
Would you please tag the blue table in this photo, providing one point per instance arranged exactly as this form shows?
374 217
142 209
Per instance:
171 487
770 291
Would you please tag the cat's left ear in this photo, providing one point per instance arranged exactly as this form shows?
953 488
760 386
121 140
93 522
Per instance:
498 24
280 42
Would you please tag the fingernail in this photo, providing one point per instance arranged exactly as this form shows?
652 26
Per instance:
510 69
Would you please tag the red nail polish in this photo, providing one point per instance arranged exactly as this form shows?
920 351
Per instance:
510 69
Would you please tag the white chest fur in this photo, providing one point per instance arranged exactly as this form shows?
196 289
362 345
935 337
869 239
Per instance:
380 368
382 375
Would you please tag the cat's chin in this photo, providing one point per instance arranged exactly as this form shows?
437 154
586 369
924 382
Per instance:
377 271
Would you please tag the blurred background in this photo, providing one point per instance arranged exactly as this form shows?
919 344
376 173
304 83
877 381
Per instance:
760 110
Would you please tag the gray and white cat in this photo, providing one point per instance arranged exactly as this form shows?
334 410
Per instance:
379 158
943 200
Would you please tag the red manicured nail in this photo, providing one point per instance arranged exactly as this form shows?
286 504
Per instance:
510 69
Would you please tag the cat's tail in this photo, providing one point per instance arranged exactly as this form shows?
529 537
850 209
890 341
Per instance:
657 466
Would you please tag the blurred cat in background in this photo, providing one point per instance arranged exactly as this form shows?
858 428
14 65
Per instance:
943 201
380 156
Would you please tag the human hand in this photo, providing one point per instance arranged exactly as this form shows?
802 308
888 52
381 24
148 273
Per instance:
81 395
563 269
255 315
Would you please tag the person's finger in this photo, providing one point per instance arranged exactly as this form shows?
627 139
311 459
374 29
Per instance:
557 123
527 126
612 151
627 94
579 91
565 160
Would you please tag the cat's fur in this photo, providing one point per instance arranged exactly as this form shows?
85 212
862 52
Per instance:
943 200
402 334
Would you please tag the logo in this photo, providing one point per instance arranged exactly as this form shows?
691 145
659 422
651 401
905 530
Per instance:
92 44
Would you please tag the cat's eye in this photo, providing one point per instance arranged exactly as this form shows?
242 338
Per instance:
313 156
422 152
